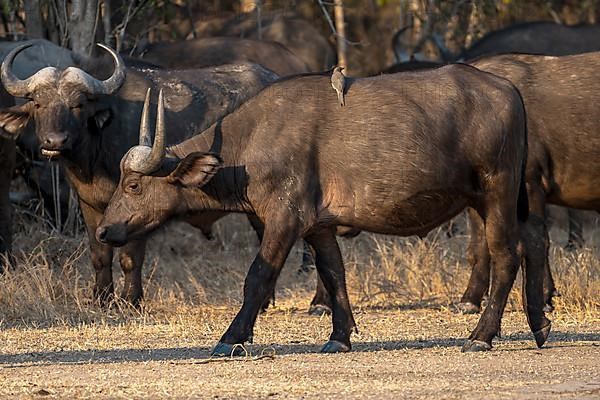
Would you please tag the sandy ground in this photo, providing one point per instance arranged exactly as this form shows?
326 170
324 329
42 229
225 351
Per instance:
398 353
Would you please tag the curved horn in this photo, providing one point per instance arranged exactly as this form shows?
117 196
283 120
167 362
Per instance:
113 83
12 84
94 86
155 158
145 139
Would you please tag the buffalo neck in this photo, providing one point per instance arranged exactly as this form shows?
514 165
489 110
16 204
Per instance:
227 189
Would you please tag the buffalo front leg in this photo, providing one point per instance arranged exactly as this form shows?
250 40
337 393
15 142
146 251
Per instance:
131 258
7 165
101 256
5 222
279 237
330 266
259 229
501 233
321 303
479 258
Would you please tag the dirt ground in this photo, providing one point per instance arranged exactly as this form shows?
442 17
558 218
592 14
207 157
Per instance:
55 344
398 353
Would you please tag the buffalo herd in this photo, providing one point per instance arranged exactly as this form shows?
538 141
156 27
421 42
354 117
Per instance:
246 121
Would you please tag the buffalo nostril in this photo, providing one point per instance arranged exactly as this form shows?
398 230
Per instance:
101 233
55 140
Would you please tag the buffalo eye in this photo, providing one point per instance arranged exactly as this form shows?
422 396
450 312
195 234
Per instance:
134 188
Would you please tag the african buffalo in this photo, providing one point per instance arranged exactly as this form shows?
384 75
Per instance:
296 34
540 37
88 124
407 152
28 64
201 53
561 96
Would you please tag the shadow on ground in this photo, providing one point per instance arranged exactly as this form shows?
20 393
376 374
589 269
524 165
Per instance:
202 353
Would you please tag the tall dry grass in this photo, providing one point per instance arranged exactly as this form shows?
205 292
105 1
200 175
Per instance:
51 283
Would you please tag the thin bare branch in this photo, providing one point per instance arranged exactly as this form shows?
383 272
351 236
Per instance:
332 26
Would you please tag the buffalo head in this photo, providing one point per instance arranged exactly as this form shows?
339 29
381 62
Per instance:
152 188
62 102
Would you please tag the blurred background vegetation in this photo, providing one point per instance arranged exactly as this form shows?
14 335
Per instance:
370 24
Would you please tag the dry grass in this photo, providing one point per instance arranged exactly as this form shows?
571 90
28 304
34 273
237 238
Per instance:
51 284
54 343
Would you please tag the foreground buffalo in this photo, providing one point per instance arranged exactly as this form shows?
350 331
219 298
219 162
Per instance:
561 96
88 125
407 153
201 53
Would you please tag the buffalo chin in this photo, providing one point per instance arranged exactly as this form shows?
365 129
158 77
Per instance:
115 242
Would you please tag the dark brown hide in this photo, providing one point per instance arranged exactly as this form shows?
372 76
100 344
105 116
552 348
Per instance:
407 153
561 95
90 133
296 34
201 53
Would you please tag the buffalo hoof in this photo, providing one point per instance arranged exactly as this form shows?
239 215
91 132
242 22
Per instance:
228 350
333 346
473 346
319 310
468 308
542 335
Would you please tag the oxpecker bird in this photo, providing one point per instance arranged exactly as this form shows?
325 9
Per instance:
338 83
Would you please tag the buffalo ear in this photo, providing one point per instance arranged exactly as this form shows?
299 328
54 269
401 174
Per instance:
101 117
13 120
196 169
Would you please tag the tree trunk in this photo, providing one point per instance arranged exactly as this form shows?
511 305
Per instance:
106 24
82 26
33 19
338 11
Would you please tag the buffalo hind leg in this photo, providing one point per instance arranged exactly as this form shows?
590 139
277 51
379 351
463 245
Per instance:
501 233
101 256
321 302
131 258
330 266
575 231
479 258
279 237
533 248
7 164
537 206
